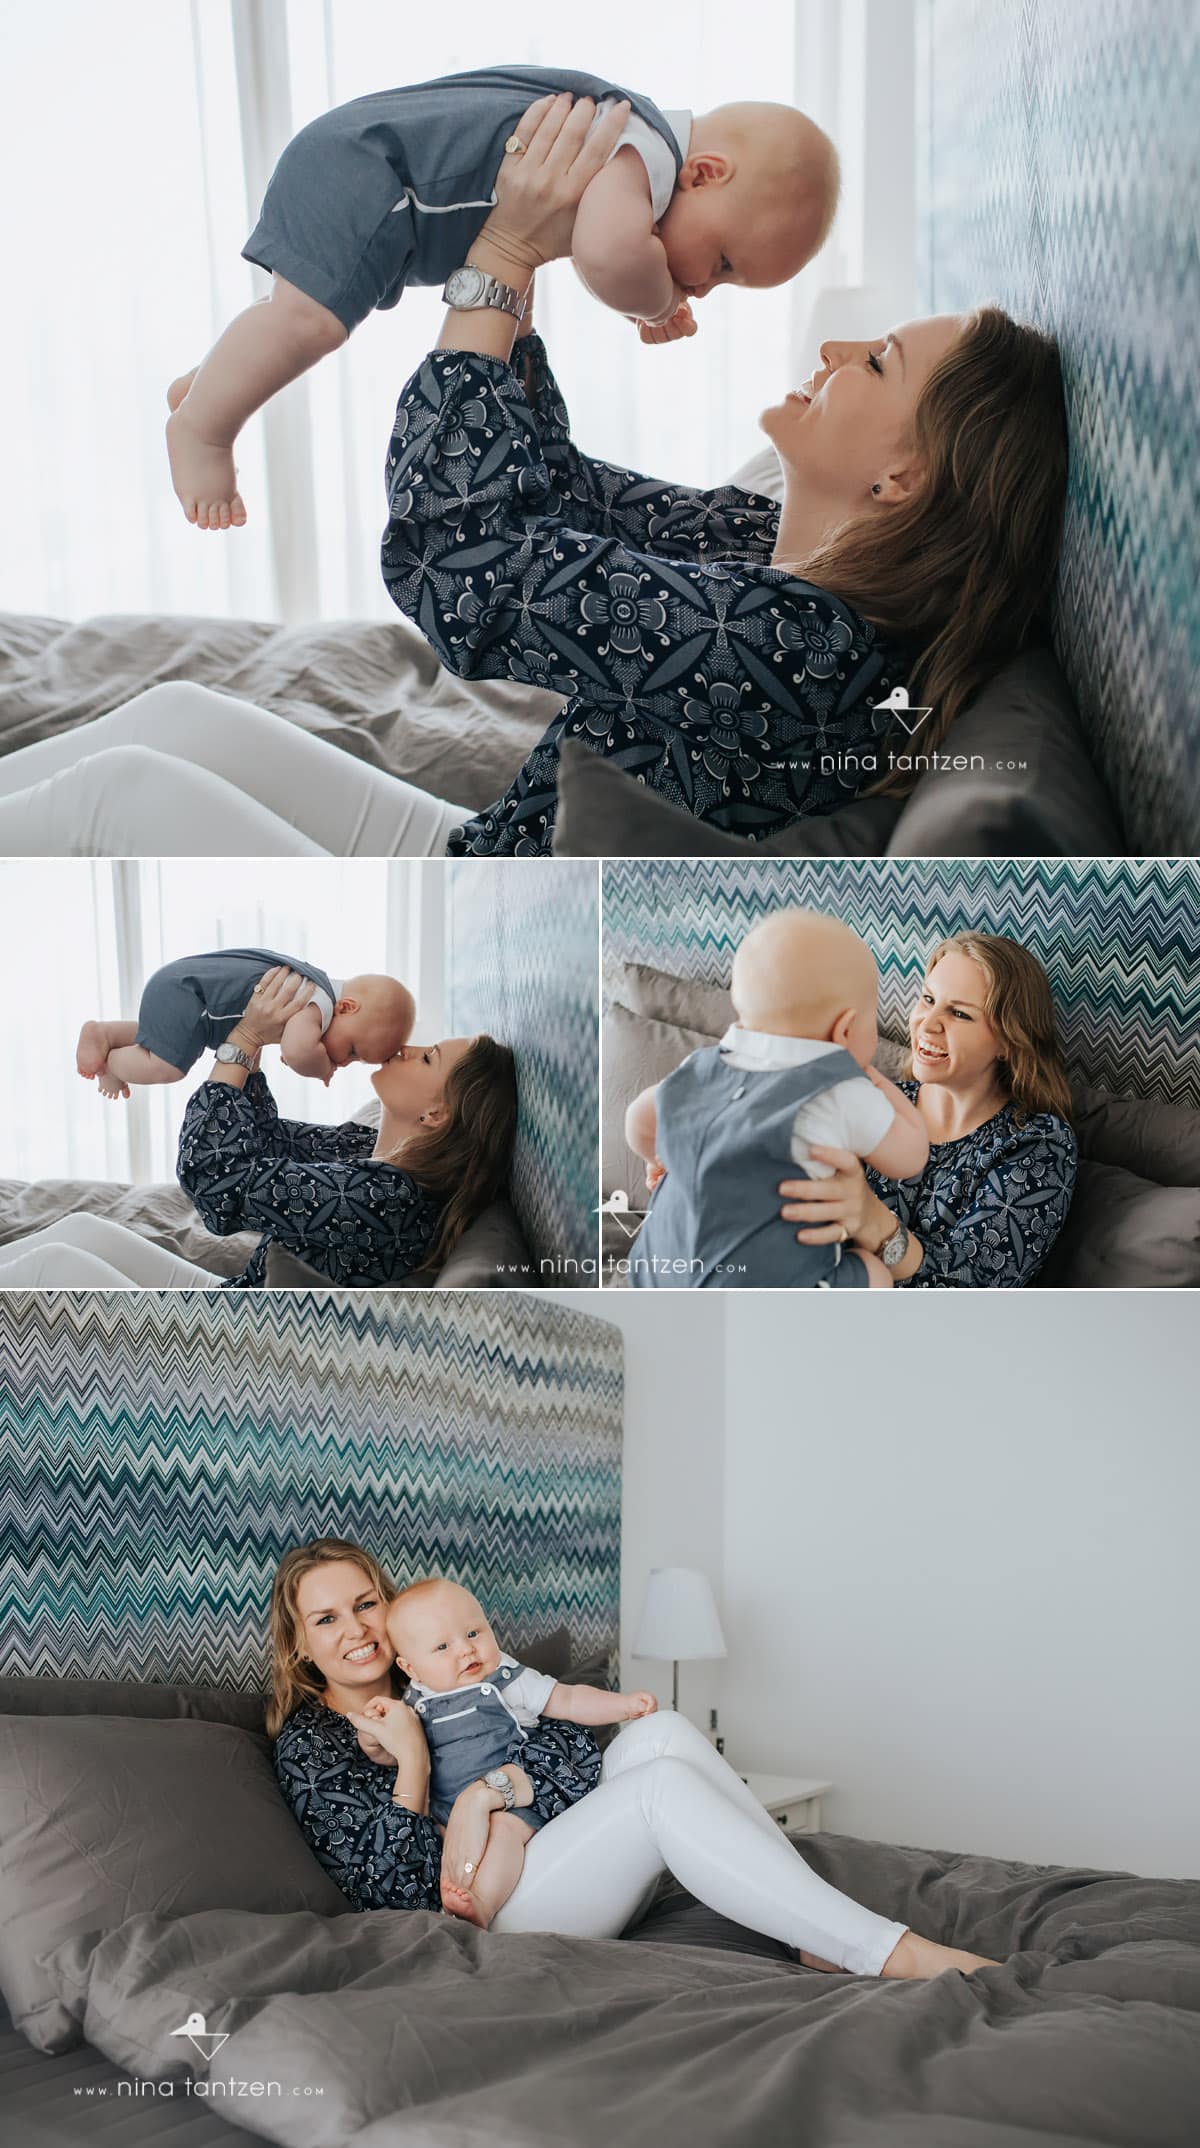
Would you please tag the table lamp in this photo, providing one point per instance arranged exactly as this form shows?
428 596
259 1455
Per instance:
679 1622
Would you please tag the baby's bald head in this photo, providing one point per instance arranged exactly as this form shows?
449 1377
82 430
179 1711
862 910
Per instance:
790 181
801 974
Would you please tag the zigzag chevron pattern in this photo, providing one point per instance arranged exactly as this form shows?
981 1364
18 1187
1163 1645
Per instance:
1060 177
523 963
1119 939
160 1450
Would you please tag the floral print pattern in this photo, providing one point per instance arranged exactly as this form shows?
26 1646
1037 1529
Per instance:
987 1208
725 683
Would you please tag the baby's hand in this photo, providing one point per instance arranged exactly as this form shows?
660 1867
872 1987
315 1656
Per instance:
681 323
655 1174
380 1708
640 1704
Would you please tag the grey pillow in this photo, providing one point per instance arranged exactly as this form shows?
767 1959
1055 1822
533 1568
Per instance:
1036 794
110 1696
1147 1136
103 1817
1126 1233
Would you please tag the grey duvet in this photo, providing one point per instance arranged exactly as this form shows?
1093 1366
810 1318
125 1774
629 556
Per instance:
390 2027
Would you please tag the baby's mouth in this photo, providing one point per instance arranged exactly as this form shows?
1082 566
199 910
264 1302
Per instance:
470 1672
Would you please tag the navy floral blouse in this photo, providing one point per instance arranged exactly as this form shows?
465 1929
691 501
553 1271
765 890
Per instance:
718 680
313 1189
379 1855
986 1208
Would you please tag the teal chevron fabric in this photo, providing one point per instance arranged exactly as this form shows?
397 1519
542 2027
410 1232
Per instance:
1118 937
523 963
159 1450
1059 161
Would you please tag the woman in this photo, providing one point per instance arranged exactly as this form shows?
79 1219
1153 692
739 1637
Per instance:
987 1077
725 650
363 1208
666 1801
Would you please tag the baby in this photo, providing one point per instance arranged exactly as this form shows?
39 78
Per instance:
793 1070
190 1006
480 1710
392 190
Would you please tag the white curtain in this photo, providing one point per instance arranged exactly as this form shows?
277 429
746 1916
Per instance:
84 936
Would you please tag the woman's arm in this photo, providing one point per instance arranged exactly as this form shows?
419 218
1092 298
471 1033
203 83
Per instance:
1017 1207
300 1138
379 1852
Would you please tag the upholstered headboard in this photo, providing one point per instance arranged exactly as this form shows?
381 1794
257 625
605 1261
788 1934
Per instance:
1059 159
161 1449
522 962
1119 938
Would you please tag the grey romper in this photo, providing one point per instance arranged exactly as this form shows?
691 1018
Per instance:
391 189
725 1138
471 1729
191 1005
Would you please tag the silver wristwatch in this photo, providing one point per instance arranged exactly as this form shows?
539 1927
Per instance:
498 1779
230 1055
469 290
893 1250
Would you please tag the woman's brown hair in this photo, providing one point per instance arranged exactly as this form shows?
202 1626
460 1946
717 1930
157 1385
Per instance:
293 1678
1018 1004
963 570
466 1160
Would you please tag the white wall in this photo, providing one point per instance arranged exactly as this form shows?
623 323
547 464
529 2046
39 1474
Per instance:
960 1566
674 1464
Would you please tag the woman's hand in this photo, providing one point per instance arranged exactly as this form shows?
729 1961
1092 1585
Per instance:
279 994
838 1209
374 1750
539 189
397 1731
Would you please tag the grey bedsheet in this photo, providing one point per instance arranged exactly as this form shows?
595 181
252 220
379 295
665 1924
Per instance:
416 2028
376 690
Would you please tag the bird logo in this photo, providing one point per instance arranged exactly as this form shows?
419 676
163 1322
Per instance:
617 1206
207 2041
899 706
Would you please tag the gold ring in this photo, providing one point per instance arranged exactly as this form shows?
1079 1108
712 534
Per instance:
514 146
845 1234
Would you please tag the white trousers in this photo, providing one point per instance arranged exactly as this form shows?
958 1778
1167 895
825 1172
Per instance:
94 1253
668 1802
184 772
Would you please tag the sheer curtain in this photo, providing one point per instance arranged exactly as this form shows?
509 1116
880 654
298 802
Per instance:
94 933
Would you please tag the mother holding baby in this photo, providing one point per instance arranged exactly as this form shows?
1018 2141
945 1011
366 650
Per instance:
362 1206
722 648
666 1801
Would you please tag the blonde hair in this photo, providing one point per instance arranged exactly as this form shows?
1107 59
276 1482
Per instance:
965 566
1018 1004
294 1679
467 1159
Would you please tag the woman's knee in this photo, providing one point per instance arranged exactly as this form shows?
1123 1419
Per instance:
159 707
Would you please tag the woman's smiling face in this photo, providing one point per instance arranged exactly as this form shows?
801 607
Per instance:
342 1621
953 1041
848 427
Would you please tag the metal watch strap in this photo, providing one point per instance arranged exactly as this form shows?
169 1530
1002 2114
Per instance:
473 290
232 1055
496 1779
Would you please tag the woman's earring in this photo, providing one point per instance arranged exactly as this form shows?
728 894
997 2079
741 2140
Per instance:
877 488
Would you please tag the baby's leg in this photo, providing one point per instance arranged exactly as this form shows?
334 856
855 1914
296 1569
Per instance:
878 1277
106 1050
261 351
500 1868
96 1041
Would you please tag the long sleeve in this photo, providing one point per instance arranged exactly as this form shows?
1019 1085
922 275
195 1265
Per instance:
988 1215
723 522
562 1761
738 692
355 1219
300 1138
381 1856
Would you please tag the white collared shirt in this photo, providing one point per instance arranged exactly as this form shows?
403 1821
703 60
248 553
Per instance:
854 1114
660 164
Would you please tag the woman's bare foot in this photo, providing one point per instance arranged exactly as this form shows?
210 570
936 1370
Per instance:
916 1957
458 1903
817 1961
92 1050
203 473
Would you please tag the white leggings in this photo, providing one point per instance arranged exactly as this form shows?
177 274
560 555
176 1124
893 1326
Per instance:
667 1802
185 772
94 1253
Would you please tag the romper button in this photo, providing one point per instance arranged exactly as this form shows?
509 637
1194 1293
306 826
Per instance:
485 1689
420 1707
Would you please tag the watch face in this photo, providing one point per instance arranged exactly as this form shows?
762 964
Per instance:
465 287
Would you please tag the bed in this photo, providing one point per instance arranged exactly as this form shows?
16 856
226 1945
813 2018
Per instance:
134 1901
1027 786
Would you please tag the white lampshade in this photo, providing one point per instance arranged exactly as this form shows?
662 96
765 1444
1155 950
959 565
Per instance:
679 1621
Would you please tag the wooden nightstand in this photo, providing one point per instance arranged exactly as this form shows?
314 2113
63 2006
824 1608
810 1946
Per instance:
792 1800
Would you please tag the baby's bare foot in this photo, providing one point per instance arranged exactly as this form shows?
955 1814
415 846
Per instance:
917 1957
204 476
179 388
458 1903
109 1086
91 1050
